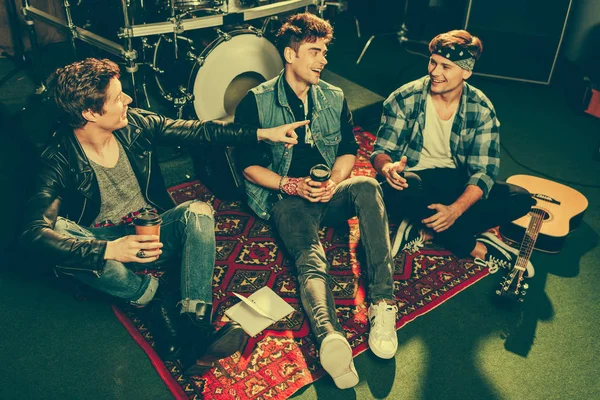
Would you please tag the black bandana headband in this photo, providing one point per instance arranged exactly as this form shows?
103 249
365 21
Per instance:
458 56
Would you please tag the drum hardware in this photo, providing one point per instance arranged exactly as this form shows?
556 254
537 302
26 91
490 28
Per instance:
246 57
192 57
211 21
177 24
78 33
184 99
341 5
256 31
226 36
146 45
145 90
70 24
265 24
155 69
180 102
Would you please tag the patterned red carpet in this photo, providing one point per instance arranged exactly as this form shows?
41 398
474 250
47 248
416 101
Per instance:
284 358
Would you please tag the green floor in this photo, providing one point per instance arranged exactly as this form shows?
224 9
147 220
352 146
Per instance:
55 347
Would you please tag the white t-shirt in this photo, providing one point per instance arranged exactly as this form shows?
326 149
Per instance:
436 141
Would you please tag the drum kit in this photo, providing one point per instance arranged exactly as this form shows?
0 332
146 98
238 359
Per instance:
201 55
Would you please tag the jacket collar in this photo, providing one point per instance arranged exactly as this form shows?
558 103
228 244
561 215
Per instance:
318 97
78 161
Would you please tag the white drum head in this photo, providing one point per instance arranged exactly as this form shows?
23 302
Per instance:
242 54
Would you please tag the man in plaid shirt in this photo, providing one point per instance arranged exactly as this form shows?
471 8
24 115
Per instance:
438 156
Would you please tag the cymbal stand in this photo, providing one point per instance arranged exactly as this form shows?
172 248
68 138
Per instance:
19 57
132 66
401 34
35 52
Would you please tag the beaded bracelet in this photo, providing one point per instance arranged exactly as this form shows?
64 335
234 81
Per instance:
281 184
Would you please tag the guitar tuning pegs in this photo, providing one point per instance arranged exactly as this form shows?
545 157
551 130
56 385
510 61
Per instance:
525 286
521 300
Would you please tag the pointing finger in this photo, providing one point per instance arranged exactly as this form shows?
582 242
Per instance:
298 124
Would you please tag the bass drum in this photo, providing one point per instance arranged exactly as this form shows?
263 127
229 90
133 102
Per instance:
216 79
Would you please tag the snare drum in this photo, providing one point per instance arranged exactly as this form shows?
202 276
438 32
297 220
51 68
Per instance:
218 77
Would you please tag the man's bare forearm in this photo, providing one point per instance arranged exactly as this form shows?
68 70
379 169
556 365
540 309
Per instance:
470 196
263 177
342 168
380 161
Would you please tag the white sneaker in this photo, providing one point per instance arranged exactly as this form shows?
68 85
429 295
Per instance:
383 340
336 359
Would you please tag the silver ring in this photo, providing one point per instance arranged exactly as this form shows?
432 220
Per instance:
141 254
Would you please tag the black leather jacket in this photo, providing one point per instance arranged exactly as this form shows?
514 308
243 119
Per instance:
67 186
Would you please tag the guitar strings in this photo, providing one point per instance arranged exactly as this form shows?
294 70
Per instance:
525 250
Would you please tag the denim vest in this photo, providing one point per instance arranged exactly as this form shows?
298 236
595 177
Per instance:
274 110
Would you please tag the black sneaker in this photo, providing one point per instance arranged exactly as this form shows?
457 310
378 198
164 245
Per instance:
408 237
496 257
491 240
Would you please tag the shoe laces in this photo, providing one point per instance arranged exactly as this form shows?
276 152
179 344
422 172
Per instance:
414 245
492 263
384 317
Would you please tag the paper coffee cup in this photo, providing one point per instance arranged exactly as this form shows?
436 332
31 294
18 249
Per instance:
147 223
320 173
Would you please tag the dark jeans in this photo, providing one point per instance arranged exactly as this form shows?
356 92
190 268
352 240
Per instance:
298 222
504 203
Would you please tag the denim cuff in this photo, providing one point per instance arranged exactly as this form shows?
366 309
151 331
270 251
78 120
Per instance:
148 294
189 306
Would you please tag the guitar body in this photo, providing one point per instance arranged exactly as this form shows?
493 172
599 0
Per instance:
564 208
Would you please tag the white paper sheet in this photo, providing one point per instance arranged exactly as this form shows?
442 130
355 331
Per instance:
259 310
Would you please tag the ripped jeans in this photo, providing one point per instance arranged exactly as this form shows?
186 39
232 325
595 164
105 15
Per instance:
184 233
298 221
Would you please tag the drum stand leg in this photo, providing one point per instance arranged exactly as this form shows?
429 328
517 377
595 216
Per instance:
70 25
19 53
145 89
132 68
35 52
401 35
130 54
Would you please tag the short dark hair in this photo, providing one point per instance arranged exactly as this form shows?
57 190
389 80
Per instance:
302 28
81 86
458 37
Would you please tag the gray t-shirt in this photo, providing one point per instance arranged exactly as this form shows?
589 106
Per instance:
120 193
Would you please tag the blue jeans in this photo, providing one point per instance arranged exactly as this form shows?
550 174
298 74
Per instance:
184 233
298 220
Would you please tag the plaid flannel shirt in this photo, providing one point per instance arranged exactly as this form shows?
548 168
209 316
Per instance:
474 140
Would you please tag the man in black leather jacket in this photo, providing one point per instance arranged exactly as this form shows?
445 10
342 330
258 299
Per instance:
96 174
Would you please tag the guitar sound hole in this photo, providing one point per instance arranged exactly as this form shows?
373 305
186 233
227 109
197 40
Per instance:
538 211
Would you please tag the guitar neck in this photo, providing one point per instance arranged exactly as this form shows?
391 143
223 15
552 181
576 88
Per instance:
528 243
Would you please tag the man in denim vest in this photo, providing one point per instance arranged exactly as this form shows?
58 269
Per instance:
278 187
438 155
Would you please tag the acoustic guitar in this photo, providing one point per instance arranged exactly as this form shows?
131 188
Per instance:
558 210
560 207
